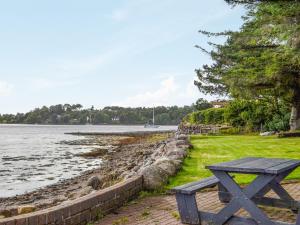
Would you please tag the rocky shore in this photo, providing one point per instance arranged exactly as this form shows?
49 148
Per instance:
154 155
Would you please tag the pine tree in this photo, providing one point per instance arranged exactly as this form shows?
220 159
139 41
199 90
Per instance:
261 60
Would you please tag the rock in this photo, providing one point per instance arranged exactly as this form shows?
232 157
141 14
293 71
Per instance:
127 175
5 213
178 154
94 182
182 137
269 133
181 143
26 209
154 177
85 191
168 166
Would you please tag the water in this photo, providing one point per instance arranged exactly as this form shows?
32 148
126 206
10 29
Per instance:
31 156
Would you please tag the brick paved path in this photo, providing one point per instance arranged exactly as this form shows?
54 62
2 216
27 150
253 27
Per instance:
162 210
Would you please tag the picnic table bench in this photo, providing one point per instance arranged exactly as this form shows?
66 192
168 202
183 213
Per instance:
270 172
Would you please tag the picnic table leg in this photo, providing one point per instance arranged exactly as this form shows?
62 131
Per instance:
188 209
279 190
224 195
242 198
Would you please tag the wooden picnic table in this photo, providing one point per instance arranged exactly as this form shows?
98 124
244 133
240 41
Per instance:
270 172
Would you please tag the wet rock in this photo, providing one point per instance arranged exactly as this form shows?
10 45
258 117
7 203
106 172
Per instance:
8 212
26 209
94 182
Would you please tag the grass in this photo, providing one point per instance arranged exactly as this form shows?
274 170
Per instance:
121 221
209 150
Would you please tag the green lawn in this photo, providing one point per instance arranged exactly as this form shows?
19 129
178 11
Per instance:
213 149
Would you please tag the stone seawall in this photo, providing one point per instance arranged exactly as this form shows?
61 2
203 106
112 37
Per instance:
83 210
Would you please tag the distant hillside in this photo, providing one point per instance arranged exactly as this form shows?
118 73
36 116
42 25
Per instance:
75 114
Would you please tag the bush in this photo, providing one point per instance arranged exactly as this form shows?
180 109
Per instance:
279 122
208 116
246 116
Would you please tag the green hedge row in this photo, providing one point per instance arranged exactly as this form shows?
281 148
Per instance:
250 115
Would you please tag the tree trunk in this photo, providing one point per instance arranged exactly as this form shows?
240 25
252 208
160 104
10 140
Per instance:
295 117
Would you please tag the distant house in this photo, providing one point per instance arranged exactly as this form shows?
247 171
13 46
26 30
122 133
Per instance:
115 118
219 103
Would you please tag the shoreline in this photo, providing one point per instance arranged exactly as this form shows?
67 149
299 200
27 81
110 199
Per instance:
125 133
121 153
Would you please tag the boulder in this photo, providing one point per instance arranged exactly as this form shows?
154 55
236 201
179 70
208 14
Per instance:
94 182
181 143
154 177
178 154
168 166
26 209
182 137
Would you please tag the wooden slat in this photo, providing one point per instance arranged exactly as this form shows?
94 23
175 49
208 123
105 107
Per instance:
196 186
257 165
261 165
284 166
232 163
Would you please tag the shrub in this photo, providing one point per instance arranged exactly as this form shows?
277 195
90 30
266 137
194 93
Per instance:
246 116
208 116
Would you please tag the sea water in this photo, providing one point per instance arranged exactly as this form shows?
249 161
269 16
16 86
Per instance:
34 156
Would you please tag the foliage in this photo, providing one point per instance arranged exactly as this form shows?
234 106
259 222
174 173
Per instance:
75 114
214 149
262 60
246 116
256 115
202 104
208 116
279 122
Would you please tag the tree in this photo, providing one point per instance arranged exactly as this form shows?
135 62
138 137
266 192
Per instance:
262 60
202 104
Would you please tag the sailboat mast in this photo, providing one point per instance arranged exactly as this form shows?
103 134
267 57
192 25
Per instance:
153 117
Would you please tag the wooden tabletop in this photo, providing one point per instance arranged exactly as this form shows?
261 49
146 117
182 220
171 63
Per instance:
254 165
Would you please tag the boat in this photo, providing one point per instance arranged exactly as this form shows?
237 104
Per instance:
149 125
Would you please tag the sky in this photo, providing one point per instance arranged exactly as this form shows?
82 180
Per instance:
103 53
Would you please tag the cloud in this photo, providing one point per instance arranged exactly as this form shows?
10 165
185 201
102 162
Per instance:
5 89
153 98
170 92
119 15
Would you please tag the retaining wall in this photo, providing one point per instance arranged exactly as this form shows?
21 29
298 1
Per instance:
84 209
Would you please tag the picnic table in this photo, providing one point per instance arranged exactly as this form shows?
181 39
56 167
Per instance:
270 172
